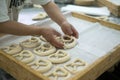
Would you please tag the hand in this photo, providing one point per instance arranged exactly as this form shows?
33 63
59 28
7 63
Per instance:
68 29
49 34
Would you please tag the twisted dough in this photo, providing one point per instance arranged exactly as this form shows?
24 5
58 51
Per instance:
41 65
59 57
25 56
43 39
73 66
58 72
40 16
12 49
30 43
68 41
45 49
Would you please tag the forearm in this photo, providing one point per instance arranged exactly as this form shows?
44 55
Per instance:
15 28
54 13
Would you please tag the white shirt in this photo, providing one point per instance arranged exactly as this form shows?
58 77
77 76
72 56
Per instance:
7 13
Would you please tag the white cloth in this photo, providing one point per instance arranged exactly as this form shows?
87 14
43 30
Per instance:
7 13
100 11
3 11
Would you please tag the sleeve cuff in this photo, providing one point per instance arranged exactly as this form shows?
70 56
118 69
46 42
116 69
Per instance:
4 19
41 2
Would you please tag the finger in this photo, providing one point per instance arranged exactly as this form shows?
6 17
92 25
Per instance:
55 43
68 31
57 33
75 33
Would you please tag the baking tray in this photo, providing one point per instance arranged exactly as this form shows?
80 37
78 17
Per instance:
84 2
98 46
113 5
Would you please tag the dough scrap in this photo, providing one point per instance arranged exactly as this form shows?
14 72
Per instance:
30 43
59 57
41 65
12 49
40 16
68 41
25 56
73 66
43 39
45 49
57 73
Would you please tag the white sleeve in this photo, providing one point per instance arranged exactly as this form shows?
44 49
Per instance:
41 2
3 11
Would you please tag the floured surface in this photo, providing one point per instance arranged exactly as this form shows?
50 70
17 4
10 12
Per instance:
94 42
93 37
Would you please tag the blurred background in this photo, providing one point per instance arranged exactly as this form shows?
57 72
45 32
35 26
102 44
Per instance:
94 8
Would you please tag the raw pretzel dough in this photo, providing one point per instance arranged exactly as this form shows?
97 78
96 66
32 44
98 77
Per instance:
31 43
40 16
68 41
73 66
12 49
45 49
41 65
43 39
57 73
25 56
59 57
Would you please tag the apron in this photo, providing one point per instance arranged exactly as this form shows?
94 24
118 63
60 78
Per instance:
13 9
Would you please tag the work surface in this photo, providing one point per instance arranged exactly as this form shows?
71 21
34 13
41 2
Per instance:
27 14
96 46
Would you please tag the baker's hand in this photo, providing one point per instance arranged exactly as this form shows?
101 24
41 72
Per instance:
49 34
68 29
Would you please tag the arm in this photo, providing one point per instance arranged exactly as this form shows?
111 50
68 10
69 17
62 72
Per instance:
55 14
15 28
12 27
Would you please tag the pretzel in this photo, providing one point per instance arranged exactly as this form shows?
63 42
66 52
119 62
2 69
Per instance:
25 56
45 49
58 72
59 57
30 43
43 39
12 49
41 65
40 16
73 66
68 41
